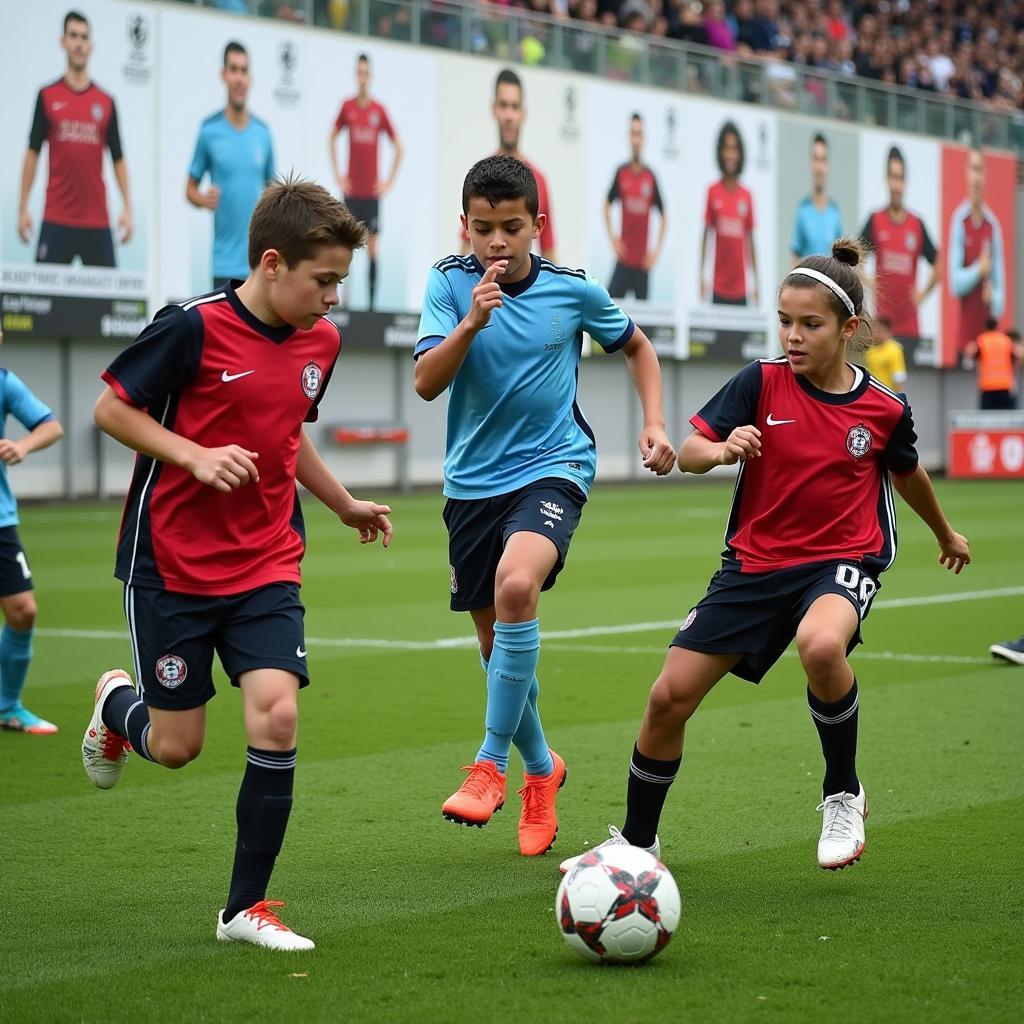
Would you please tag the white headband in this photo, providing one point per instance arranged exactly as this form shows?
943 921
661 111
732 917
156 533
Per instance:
828 283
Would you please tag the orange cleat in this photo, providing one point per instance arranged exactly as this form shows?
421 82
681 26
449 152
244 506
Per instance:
479 796
538 824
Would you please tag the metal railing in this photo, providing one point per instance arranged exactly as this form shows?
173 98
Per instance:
517 35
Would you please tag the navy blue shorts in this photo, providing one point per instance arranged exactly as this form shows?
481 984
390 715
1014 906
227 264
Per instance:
479 529
15 575
366 210
757 614
174 637
61 244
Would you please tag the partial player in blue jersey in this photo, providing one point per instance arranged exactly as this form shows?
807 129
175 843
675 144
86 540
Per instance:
16 598
502 331
235 150
818 223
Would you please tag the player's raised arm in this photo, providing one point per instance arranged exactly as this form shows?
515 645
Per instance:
436 367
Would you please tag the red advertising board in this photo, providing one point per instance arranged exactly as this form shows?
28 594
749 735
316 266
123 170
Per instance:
986 445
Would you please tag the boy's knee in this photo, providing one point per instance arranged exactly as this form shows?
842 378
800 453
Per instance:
280 723
20 612
175 753
517 594
821 652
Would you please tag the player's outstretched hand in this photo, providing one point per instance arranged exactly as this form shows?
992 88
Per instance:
658 454
955 553
487 295
226 469
370 519
742 445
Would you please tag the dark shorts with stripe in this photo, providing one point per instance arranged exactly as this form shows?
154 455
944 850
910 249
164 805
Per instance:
174 637
15 575
59 243
366 210
756 614
479 529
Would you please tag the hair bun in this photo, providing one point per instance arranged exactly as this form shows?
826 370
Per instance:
848 251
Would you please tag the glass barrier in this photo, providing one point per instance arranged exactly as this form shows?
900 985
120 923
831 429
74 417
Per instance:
515 34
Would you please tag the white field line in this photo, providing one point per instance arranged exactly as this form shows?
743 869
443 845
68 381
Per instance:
457 642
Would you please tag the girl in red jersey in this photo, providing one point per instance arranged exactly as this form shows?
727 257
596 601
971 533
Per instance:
821 445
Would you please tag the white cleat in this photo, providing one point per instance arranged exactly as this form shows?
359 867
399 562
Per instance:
104 753
842 829
616 838
260 926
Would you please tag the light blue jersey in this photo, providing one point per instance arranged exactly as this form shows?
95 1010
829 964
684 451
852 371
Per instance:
512 412
815 230
240 163
18 401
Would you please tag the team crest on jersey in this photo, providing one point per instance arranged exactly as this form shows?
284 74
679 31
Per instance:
374 119
171 671
858 441
455 582
743 207
688 621
909 239
312 376
97 112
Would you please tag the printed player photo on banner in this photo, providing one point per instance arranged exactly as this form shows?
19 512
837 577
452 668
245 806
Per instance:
729 226
633 195
978 190
899 219
75 231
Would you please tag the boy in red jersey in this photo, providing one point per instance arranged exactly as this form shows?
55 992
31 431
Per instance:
365 120
212 533
78 121
729 214
899 239
635 189
821 445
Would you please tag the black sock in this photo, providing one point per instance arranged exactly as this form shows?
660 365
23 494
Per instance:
837 728
649 780
264 803
373 280
124 712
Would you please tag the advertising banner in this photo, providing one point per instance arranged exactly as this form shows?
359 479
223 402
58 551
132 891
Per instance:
76 255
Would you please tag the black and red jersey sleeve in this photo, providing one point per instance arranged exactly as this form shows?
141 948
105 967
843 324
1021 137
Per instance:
314 410
656 198
928 250
114 135
161 361
734 406
900 454
40 126
613 191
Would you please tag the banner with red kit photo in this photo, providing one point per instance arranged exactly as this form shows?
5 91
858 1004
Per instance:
978 190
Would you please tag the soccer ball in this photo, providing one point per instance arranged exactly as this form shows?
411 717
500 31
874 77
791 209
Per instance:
618 904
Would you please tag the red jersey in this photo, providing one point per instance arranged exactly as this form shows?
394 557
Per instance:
547 236
820 490
365 126
974 311
898 246
637 192
730 213
78 127
211 372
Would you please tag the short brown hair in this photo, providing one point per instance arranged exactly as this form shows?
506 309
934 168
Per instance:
297 217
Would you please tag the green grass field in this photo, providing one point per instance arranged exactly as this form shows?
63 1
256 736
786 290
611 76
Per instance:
109 899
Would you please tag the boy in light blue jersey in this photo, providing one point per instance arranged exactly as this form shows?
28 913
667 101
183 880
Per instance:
818 222
235 148
16 599
502 330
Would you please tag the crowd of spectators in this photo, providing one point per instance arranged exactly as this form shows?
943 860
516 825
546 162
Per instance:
964 49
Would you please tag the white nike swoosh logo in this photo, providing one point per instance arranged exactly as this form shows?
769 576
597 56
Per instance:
59 106
299 652
228 377
772 422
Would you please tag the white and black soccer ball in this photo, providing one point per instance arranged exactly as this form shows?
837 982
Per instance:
618 904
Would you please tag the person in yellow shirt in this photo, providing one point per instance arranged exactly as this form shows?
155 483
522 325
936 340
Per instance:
998 357
884 360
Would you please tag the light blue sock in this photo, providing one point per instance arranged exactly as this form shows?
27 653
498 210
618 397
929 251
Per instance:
15 655
529 738
509 675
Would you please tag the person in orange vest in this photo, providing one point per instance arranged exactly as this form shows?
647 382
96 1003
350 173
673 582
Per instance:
998 356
